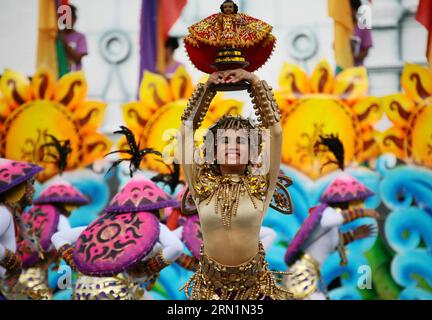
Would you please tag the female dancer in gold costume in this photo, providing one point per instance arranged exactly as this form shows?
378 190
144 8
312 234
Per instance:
231 196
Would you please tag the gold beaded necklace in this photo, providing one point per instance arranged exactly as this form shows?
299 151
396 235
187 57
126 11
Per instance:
228 189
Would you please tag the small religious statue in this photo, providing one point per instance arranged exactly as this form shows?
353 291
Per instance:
229 40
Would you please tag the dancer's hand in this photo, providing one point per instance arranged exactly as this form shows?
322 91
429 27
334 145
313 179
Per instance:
232 76
237 75
216 77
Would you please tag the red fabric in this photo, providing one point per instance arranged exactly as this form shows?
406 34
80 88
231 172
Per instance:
424 16
311 210
173 220
204 56
171 12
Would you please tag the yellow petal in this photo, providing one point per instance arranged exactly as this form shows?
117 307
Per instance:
43 83
417 82
161 134
226 106
89 116
4 111
308 119
398 108
96 145
294 80
393 141
181 84
204 78
152 162
154 90
368 111
136 115
428 101
15 88
322 78
351 84
283 103
370 146
219 97
71 89
49 171
419 143
122 144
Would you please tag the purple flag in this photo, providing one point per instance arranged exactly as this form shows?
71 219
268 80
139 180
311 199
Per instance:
148 36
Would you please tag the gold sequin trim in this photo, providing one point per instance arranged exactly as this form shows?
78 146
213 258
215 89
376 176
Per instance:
251 280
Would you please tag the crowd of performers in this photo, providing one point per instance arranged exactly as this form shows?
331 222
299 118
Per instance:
212 227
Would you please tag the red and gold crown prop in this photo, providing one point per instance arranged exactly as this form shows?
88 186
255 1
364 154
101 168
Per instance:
228 41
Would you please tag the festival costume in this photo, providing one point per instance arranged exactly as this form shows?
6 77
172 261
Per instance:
251 280
230 203
304 275
45 218
13 178
124 246
63 193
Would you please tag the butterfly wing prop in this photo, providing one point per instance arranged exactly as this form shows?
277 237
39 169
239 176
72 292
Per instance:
281 198
188 207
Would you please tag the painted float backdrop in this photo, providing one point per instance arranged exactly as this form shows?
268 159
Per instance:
395 164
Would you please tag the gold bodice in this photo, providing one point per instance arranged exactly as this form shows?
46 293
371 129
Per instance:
234 245
230 237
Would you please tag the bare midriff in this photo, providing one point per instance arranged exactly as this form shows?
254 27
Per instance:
238 243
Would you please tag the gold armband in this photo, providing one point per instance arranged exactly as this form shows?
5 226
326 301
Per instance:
264 103
198 105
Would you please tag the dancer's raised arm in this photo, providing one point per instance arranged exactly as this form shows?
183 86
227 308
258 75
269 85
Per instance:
268 114
192 118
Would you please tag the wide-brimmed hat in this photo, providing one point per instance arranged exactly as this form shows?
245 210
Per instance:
62 192
345 188
115 242
12 173
140 194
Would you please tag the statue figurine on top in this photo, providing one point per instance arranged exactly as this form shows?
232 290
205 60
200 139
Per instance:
229 40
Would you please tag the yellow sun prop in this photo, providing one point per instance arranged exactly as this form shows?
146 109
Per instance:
322 104
33 111
156 117
410 137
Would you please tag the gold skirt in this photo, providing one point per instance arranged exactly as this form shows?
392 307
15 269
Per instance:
119 287
303 278
251 280
32 285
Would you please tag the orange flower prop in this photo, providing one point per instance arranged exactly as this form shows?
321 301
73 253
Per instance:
32 111
322 104
410 137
